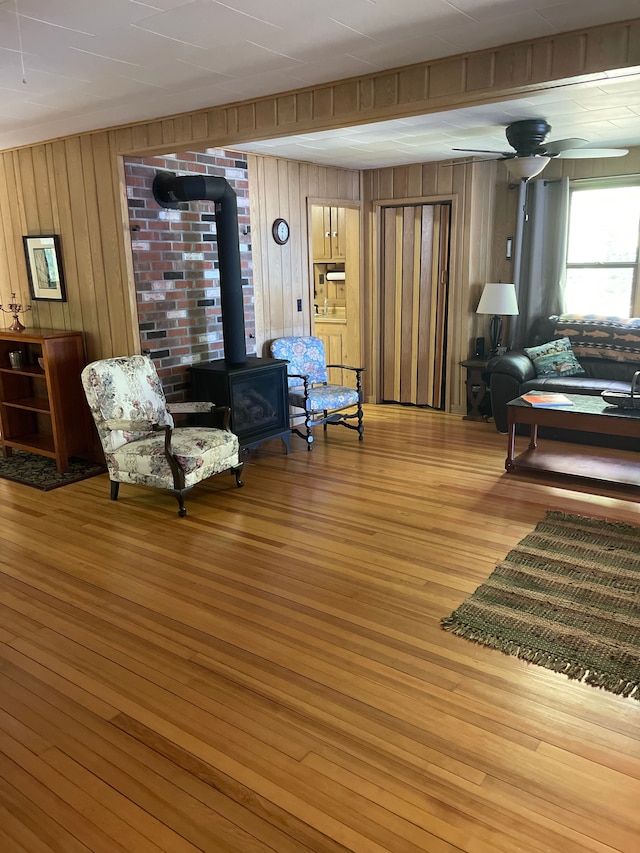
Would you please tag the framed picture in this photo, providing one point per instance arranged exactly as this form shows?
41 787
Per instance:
44 266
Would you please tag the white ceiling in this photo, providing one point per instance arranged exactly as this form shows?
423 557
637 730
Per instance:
68 66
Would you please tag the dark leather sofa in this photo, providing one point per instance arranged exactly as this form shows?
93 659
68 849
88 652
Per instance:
606 368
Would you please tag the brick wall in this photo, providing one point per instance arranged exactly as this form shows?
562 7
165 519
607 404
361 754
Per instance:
175 265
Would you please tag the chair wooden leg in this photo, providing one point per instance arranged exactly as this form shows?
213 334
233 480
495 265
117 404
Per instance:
237 471
179 496
304 435
325 414
115 487
309 437
360 424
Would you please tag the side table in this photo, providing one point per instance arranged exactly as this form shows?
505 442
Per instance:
477 387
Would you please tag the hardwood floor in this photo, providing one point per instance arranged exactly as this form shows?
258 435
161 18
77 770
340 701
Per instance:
269 673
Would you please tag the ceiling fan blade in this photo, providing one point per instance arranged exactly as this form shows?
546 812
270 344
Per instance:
485 151
591 153
552 149
476 159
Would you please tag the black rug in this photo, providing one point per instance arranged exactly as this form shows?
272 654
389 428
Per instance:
30 469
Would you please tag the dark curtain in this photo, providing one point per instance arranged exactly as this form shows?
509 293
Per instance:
540 253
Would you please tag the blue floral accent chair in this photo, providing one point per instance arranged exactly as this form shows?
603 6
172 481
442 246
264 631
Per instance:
140 442
309 387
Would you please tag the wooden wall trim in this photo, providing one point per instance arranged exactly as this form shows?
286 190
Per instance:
472 78
339 202
403 202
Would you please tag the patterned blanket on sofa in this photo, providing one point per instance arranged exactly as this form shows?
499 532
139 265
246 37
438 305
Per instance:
596 336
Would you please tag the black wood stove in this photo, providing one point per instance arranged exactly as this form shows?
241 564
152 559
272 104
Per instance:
256 391
254 388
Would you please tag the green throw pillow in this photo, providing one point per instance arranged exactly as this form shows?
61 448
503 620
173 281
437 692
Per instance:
555 358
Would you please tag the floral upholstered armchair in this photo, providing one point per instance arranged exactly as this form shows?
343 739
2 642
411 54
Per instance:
309 387
137 431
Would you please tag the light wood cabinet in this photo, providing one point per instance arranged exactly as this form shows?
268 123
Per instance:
42 405
339 329
328 233
333 334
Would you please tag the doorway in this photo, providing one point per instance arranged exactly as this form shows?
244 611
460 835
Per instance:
335 254
414 265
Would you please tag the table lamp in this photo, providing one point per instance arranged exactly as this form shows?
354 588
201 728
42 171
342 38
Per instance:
498 299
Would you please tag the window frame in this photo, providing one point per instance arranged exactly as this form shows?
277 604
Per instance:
618 182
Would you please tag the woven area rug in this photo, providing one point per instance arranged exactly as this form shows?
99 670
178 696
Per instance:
567 597
30 469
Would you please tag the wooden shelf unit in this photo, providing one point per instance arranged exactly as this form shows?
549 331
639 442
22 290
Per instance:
42 408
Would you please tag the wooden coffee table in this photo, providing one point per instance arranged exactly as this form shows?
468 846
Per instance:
587 414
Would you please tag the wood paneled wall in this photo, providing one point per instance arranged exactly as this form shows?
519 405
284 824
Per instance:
505 214
282 274
74 186
65 188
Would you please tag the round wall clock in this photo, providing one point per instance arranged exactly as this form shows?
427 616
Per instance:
280 231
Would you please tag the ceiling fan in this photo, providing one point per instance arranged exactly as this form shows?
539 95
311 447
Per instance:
531 153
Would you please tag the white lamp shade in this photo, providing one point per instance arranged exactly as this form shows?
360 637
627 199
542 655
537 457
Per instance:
498 298
526 167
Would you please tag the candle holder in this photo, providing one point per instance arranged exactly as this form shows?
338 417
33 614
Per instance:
15 308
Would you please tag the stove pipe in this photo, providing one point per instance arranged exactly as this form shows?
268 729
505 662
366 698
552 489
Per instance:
169 190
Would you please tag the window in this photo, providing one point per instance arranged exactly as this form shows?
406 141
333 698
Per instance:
602 254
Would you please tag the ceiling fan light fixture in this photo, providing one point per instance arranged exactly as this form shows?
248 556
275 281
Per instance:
531 153
525 168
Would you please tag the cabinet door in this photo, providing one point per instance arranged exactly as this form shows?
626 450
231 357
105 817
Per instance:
328 227
338 227
333 338
321 232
